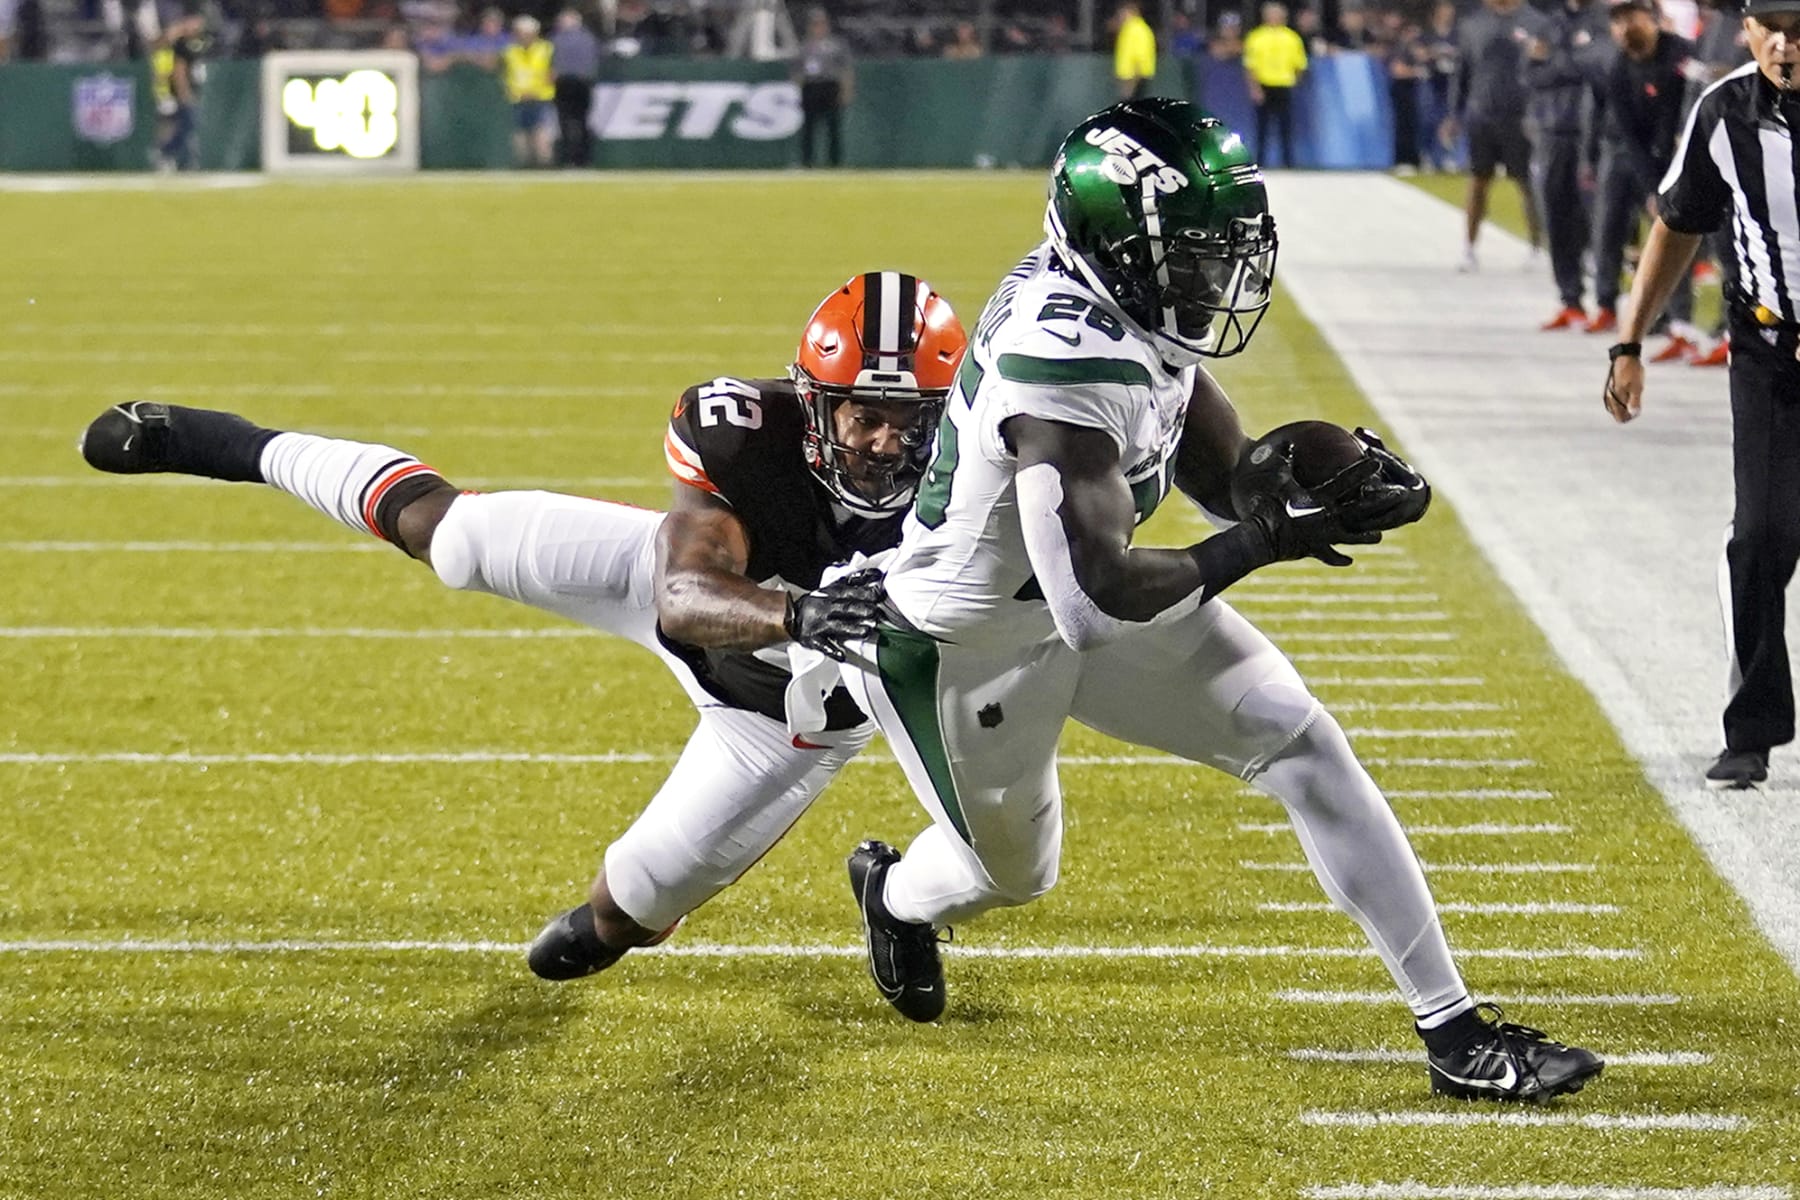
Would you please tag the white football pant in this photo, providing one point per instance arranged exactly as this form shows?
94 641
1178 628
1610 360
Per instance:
976 730
739 784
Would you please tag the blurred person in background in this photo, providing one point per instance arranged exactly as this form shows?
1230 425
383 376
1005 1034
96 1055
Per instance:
827 78
531 89
575 51
1408 68
1275 59
1440 45
1134 51
177 74
1639 102
487 44
1559 71
1720 48
965 44
1311 28
1487 102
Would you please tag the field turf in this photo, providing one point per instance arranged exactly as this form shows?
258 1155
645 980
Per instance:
279 809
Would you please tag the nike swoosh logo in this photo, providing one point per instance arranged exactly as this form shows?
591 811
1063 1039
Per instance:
1063 337
1502 1084
1303 511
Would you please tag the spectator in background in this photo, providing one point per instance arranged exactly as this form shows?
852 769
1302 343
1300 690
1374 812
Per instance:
1311 28
8 16
1056 34
1488 102
1720 49
1408 65
531 89
1134 51
1275 59
1353 33
1440 44
488 43
827 79
576 53
1639 103
177 75
965 45
1559 72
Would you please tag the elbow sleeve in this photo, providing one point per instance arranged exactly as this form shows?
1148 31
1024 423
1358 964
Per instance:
1080 622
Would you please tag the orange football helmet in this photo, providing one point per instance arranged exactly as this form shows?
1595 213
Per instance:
884 337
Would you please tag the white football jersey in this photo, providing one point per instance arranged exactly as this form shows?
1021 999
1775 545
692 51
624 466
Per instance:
1046 346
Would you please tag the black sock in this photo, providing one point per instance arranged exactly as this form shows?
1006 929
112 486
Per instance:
217 445
1453 1034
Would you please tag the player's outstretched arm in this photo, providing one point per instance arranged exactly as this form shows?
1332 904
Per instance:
703 597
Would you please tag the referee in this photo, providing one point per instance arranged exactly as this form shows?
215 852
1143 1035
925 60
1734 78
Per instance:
1735 167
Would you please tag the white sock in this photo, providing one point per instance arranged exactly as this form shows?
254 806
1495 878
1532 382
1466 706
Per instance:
344 480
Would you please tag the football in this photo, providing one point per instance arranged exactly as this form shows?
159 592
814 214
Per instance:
1317 452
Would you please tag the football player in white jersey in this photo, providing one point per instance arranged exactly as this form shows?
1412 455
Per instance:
1019 602
776 480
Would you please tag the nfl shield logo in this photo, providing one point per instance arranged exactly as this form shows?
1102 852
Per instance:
104 108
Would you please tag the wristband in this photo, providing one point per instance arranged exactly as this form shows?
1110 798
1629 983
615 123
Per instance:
1620 350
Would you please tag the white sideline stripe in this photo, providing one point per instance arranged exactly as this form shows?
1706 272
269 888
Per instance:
1422 681
1478 829
1310 596
1525 908
1547 999
1430 733
1690 1122
1340 657
1455 764
688 949
1452 868
1673 1058
1540 1191
54 632
1353 635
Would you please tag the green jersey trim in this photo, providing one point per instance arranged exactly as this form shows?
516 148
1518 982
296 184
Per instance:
1024 368
908 664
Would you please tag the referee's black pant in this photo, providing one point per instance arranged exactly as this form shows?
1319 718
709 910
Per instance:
1556 170
1765 532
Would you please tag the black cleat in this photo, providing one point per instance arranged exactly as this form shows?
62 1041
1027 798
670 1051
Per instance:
569 947
143 437
1511 1062
1738 769
128 439
903 955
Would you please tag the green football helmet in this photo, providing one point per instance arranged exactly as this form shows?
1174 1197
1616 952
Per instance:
1160 207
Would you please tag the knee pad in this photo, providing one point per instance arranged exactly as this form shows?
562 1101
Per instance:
1271 716
454 543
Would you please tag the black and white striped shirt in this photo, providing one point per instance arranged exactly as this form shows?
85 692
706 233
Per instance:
1736 162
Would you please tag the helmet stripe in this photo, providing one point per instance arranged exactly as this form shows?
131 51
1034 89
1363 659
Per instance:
887 338
1153 227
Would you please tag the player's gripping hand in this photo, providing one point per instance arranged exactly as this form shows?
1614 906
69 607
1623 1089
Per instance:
1293 522
1393 495
833 615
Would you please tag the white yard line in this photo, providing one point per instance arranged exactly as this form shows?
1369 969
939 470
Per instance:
1534 999
159 633
1514 1119
680 949
1240 598
367 546
460 757
1593 583
1402 681
1475 829
1522 908
574 483
1673 1058
1373 617
1359 635
1336 657
1451 868
1416 706
1470 794
1540 1191
1428 734
1454 764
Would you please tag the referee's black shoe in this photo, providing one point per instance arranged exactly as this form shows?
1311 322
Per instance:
903 955
1498 1060
1738 769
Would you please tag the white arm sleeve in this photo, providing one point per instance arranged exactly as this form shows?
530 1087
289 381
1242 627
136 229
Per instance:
1079 621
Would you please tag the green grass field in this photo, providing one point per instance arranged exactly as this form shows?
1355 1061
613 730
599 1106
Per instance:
193 720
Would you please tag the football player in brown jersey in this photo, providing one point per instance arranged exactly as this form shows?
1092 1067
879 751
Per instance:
776 482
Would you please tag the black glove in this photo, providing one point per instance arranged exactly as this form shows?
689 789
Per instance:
1396 495
842 611
1296 523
